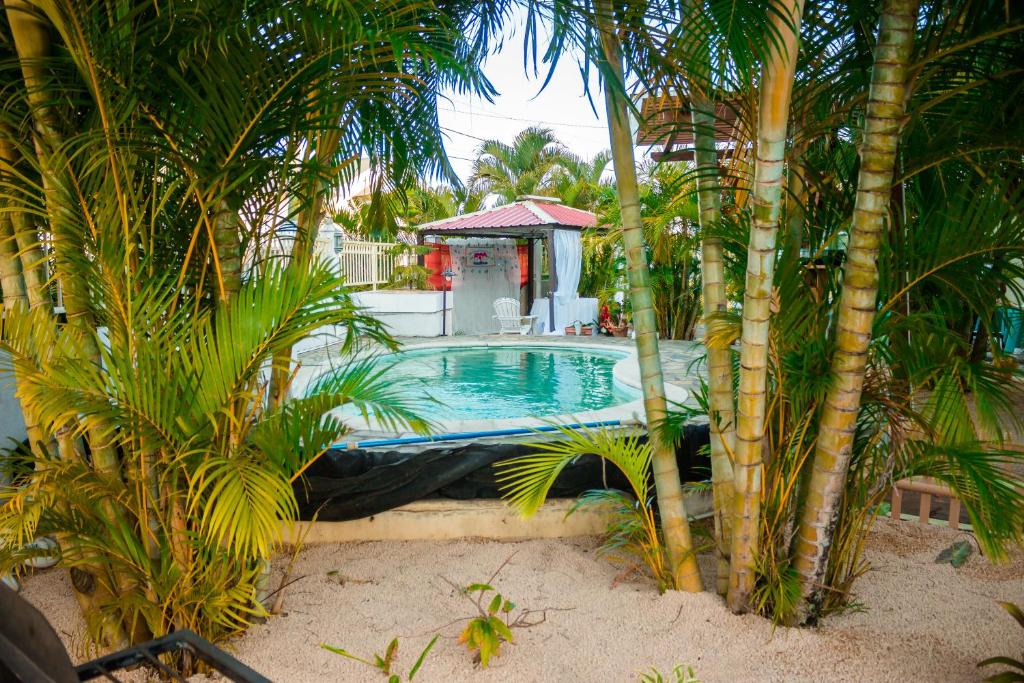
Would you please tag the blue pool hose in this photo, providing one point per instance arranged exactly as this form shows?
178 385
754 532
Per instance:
462 436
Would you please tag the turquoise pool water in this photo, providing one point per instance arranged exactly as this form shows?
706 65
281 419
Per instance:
479 383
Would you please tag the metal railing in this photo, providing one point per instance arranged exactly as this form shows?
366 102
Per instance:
147 654
366 263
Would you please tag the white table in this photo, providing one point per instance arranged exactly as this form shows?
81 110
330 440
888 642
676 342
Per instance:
567 311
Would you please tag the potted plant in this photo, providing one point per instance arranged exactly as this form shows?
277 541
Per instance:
618 330
614 319
578 328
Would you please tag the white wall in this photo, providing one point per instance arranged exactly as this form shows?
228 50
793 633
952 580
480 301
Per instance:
406 312
12 425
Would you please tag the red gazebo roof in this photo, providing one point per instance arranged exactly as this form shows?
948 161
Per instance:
525 218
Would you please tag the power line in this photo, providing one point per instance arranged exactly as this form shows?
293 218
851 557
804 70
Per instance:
524 120
459 132
476 137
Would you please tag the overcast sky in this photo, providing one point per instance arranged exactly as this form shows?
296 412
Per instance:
561 106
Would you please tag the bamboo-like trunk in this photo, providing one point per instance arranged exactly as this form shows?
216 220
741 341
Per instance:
32 42
33 269
674 522
721 409
307 227
773 115
857 303
301 257
228 247
31 37
11 282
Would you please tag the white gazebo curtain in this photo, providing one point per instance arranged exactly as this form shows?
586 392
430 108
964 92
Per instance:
568 262
569 307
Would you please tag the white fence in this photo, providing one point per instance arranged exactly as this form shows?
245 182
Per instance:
367 263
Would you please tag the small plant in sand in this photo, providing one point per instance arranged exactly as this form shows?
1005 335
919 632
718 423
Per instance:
487 632
1015 672
680 674
492 626
386 662
956 554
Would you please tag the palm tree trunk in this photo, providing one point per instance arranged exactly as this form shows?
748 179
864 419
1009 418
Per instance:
32 42
26 238
776 88
302 253
675 525
11 282
33 263
307 227
722 411
721 406
857 304
228 248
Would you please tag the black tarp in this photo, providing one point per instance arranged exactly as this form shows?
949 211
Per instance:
356 483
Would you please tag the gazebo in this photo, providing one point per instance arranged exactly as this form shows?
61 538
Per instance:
483 258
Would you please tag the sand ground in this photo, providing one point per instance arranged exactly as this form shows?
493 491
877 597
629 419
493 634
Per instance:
915 620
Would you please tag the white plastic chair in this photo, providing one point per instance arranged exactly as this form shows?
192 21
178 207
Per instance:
509 318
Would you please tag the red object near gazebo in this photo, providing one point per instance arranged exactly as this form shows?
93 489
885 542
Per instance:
440 258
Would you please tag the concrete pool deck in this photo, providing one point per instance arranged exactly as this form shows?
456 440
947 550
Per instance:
680 364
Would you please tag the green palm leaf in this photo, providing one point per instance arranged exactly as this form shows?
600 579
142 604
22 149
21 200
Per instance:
240 502
525 481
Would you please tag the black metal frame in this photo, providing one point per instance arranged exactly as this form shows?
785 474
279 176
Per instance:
179 641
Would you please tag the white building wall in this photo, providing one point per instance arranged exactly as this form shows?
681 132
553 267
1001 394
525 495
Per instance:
12 424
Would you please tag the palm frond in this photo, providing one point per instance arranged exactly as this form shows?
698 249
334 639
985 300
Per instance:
525 481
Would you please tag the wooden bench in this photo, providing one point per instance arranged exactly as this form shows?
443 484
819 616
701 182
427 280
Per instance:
926 487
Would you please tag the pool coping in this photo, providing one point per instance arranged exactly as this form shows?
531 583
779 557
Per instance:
626 371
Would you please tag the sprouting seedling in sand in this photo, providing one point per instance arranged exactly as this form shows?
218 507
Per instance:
384 663
492 626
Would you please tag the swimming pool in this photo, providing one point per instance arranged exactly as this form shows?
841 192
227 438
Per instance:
503 382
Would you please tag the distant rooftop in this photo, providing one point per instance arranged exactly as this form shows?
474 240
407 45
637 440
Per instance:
665 121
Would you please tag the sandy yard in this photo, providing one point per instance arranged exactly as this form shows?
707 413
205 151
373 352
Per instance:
915 620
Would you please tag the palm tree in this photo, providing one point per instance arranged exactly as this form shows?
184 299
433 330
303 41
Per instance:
148 187
383 217
525 167
679 545
776 88
928 407
426 203
920 383
670 225
578 182
208 479
885 111
722 410
31 39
